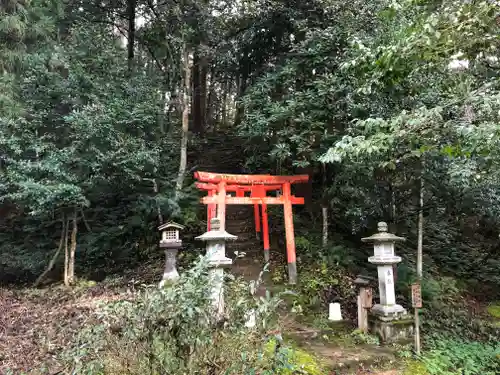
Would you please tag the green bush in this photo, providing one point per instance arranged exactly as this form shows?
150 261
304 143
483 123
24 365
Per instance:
171 331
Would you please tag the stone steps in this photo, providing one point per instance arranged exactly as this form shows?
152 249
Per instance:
222 153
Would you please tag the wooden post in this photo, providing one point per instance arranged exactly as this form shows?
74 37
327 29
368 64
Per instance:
290 236
265 232
221 204
365 302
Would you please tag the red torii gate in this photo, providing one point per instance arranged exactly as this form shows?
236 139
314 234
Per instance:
218 185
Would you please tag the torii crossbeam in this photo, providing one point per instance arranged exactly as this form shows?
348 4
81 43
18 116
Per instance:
219 185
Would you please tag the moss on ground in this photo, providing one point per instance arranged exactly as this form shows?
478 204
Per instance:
298 360
494 310
414 367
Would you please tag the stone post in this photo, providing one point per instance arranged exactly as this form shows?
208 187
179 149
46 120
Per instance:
387 310
170 271
216 254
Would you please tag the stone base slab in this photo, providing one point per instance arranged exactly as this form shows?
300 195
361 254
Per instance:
392 330
390 311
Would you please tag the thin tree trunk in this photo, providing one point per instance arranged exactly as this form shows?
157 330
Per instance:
324 237
324 211
224 102
54 257
66 254
393 227
71 265
420 241
195 93
209 112
185 122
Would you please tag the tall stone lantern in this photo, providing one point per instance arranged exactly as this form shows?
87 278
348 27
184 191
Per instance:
216 254
387 310
171 242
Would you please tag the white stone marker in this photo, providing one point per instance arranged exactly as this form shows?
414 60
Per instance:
334 312
251 319
216 253
384 258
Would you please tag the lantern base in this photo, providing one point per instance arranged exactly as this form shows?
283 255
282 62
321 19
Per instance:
220 263
388 310
392 329
170 244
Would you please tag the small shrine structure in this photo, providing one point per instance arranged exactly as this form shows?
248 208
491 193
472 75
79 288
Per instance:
253 190
171 242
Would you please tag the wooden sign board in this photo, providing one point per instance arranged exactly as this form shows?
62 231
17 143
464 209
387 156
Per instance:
416 296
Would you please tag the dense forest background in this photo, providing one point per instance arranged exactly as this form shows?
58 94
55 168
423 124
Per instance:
108 107
392 107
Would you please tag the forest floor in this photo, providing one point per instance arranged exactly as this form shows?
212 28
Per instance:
37 325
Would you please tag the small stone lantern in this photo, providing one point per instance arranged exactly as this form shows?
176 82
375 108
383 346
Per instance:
216 254
387 311
171 242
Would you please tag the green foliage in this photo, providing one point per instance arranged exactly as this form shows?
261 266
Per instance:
171 329
454 357
361 338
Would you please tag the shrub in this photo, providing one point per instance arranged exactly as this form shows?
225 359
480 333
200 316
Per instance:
170 331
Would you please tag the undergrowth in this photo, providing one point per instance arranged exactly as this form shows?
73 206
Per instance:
172 331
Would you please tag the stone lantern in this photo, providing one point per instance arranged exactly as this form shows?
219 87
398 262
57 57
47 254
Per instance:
171 242
217 260
387 311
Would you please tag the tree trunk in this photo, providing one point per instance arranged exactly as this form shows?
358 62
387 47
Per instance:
131 32
55 256
420 243
195 93
66 254
71 264
324 209
224 102
420 230
199 93
185 121
209 112
324 237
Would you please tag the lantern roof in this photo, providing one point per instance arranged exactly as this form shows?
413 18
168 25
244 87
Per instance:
364 280
383 235
171 224
215 233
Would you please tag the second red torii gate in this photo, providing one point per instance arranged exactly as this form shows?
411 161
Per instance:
218 185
